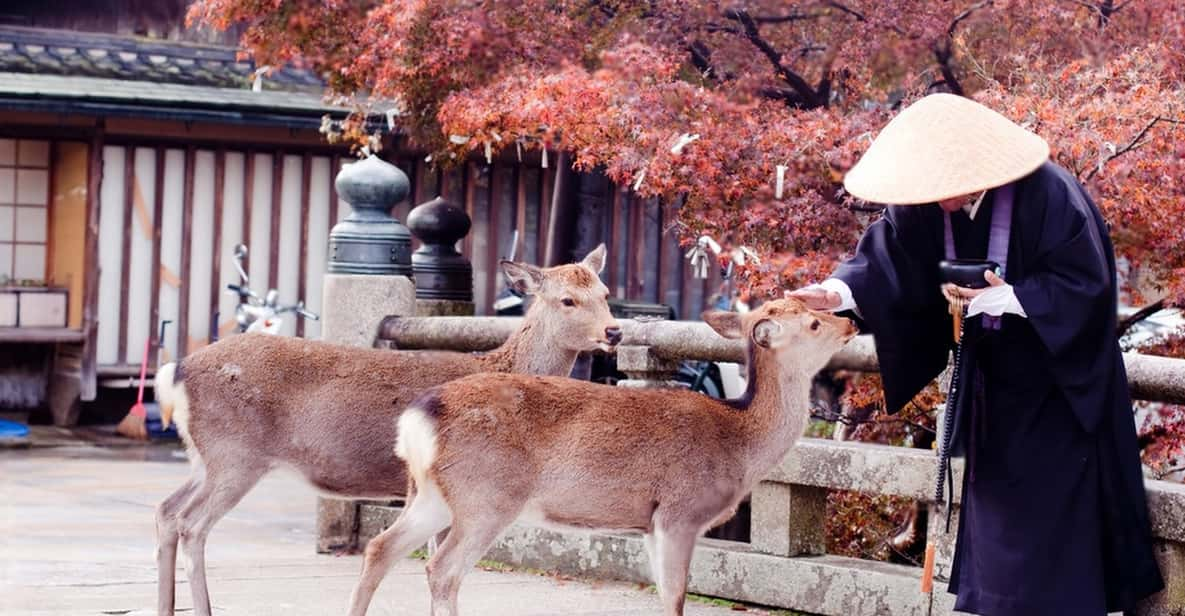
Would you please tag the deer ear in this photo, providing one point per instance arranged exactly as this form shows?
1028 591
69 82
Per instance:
765 331
595 260
524 278
727 324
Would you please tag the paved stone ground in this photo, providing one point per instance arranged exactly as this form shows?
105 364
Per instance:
77 538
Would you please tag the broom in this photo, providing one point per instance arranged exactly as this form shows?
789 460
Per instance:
133 424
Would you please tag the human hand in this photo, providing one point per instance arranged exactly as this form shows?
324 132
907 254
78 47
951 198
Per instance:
816 298
954 292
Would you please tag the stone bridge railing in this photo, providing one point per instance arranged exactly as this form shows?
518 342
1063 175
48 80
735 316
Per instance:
785 563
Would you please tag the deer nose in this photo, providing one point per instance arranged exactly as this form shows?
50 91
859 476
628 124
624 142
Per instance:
613 335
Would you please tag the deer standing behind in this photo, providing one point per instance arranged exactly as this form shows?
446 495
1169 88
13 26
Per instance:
251 403
488 449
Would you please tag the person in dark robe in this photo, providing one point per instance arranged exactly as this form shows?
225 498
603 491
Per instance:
1054 518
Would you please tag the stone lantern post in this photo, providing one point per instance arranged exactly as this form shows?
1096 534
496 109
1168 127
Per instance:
369 271
369 240
444 277
368 278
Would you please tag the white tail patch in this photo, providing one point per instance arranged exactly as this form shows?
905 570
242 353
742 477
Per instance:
416 443
174 402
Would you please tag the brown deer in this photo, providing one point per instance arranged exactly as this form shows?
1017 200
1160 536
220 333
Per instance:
251 403
488 449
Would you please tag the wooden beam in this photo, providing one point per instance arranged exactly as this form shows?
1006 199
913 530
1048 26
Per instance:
469 193
88 385
158 207
637 247
129 177
314 146
50 215
546 181
493 233
334 166
306 164
403 208
273 259
248 202
558 209
425 184
216 265
616 230
186 255
520 209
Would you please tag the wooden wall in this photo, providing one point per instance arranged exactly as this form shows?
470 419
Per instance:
170 214
645 260
280 203
67 260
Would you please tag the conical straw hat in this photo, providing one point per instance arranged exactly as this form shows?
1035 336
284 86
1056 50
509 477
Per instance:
944 146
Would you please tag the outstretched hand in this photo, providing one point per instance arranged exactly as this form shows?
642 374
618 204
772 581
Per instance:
953 292
816 298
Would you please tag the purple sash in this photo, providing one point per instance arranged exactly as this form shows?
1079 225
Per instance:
1001 232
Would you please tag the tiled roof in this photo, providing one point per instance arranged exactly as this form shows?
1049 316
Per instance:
66 52
17 86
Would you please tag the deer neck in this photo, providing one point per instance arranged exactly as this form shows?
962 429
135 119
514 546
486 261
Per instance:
531 350
775 410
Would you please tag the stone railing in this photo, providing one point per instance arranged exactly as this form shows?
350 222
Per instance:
785 563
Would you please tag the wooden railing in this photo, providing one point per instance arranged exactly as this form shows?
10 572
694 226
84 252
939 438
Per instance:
785 564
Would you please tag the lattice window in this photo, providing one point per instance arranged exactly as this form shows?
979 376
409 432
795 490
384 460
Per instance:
24 210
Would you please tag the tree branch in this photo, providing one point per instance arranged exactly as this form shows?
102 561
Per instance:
794 80
1105 9
824 87
950 32
861 17
701 58
1166 473
781 19
1134 144
1137 316
849 421
787 95
944 53
836 5
867 209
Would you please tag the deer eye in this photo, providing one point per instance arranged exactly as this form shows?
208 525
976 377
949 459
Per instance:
568 301
815 325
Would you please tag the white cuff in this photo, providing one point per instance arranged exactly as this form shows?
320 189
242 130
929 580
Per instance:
840 288
996 301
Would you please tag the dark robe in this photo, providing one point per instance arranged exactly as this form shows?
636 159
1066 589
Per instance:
1054 518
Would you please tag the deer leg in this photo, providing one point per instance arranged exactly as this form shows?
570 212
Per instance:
438 537
425 515
467 540
674 546
218 493
652 556
166 543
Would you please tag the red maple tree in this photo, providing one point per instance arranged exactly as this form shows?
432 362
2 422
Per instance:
704 101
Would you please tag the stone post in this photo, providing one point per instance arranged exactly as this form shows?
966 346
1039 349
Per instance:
444 277
1170 601
788 519
645 369
368 278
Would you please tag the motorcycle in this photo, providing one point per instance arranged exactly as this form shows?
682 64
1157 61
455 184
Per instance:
255 314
